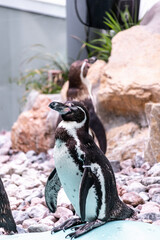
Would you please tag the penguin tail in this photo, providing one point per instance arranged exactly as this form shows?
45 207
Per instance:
121 211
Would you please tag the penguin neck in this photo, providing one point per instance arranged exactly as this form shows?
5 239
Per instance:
73 126
85 80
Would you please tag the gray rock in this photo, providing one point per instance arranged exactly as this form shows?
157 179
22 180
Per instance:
153 191
149 216
156 198
138 161
136 187
38 228
30 154
37 193
38 211
150 180
19 216
155 170
42 157
115 165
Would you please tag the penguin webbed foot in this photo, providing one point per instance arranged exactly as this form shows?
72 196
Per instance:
85 228
71 222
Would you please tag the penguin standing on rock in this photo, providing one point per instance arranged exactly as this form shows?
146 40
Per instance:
84 172
79 89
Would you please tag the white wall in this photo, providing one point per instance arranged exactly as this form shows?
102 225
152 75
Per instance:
18 31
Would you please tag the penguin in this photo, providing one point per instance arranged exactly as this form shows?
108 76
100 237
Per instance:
79 89
6 219
84 172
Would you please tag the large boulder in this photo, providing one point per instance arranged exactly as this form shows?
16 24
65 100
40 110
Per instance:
126 142
151 19
152 151
34 129
131 77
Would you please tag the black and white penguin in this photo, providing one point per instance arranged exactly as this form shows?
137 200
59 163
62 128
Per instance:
6 219
79 89
84 172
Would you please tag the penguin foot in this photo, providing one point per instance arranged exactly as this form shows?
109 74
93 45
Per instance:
67 224
85 228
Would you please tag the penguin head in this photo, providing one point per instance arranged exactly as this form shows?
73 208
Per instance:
78 71
71 111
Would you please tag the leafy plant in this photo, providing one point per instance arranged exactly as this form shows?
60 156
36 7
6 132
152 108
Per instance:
102 46
44 79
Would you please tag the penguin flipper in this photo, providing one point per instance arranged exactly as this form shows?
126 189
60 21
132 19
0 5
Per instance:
86 184
52 188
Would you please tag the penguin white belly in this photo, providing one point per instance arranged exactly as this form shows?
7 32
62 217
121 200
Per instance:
70 177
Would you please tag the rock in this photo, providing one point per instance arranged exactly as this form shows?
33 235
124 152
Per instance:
149 216
138 161
4 158
155 170
127 163
60 221
157 223
34 129
4 151
19 216
30 154
30 183
152 151
146 166
38 211
130 79
150 207
156 198
14 202
48 221
153 191
123 146
132 198
124 131
36 200
115 165
150 180
151 20
28 222
12 189
136 187
38 228
144 195
62 211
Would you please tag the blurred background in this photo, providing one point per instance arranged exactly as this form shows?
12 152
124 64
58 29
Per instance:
30 29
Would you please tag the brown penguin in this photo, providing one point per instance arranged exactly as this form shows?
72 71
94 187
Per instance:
79 89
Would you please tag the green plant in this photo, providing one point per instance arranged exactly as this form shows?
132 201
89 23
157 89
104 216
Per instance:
43 78
102 45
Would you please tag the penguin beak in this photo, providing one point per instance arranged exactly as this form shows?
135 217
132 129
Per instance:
60 107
